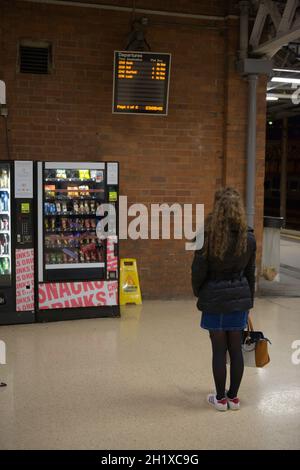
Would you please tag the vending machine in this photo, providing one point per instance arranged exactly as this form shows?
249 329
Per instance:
77 264
17 242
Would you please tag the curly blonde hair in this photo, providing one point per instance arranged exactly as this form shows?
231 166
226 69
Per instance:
228 214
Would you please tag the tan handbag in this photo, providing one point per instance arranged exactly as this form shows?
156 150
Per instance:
255 347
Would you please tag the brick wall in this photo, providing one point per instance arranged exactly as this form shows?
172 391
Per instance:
235 131
182 158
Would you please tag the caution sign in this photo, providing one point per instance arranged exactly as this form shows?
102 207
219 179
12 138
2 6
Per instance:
130 292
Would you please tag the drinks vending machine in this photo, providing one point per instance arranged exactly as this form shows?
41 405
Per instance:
17 242
67 270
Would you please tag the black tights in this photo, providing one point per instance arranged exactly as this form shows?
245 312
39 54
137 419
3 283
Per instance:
221 342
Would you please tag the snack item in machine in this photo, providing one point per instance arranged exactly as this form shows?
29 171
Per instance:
75 207
84 174
84 190
86 207
61 174
93 206
50 190
97 175
58 207
72 191
64 223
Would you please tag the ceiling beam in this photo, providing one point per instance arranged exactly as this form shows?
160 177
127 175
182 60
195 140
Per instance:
258 27
273 12
270 48
288 16
286 26
101 6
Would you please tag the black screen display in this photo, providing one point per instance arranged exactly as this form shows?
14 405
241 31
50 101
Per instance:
141 82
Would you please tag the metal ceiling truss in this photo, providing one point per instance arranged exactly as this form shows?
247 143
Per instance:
286 25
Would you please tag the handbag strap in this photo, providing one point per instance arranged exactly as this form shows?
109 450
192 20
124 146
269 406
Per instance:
249 329
250 325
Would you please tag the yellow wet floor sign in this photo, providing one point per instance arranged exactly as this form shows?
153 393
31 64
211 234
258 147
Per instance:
130 292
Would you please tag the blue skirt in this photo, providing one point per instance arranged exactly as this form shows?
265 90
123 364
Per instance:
224 321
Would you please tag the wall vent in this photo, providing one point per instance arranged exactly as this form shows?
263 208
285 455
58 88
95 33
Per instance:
35 57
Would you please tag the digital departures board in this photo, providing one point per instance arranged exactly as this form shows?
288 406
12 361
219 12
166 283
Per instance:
141 82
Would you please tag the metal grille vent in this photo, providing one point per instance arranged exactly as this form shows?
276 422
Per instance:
35 59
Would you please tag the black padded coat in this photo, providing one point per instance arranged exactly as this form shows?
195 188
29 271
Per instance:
225 286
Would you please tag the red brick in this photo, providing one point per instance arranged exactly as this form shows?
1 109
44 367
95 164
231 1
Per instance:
183 157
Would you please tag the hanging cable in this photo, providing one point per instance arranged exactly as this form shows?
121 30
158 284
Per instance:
133 11
7 139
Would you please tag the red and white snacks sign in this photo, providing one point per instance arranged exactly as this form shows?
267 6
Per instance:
77 294
24 280
111 259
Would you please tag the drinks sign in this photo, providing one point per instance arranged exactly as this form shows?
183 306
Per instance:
77 294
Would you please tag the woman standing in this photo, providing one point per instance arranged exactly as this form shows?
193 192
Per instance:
223 279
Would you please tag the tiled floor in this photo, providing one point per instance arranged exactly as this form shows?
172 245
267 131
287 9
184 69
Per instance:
140 382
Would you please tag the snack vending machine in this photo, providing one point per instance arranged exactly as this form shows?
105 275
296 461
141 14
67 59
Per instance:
16 242
77 267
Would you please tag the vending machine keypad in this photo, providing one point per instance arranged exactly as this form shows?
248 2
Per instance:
24 223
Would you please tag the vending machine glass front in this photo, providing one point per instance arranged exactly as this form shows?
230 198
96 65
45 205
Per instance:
71 197
5 225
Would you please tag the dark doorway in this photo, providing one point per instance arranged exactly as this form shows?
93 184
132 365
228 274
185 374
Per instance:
274 194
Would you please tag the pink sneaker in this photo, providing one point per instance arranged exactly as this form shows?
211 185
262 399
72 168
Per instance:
220 405
233 403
